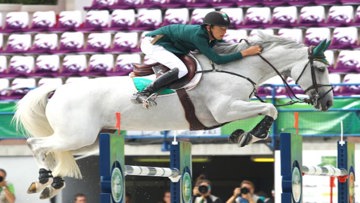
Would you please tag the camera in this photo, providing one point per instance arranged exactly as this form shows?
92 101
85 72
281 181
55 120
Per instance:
244 190
1 179
203 189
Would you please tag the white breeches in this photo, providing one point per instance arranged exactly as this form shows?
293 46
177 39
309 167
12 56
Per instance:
163 56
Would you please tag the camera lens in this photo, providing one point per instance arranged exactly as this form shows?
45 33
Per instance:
244 190
1 179
203 189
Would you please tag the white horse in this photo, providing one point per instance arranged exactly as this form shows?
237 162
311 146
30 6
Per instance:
66 119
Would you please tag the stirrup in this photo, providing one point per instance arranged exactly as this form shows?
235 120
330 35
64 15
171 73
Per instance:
150 101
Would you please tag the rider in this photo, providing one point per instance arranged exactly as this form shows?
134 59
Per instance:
164 44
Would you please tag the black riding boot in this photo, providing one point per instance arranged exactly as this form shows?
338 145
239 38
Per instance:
161 82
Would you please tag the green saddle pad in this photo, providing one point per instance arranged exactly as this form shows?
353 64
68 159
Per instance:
142 83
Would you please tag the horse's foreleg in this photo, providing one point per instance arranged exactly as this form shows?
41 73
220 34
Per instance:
242 110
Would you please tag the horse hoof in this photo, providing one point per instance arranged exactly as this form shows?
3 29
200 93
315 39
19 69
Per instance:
50 192
234 137
244 139
36 187
32 188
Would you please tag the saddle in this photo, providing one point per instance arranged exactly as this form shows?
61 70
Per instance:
158 69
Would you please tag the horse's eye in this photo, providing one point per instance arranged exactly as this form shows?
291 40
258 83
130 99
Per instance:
321 68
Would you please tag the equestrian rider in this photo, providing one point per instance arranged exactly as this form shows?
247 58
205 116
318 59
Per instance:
164 44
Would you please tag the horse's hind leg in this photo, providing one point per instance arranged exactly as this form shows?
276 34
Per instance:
41 148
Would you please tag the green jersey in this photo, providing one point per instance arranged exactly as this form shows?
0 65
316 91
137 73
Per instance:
181 39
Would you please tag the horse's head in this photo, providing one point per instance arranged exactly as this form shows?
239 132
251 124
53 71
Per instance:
313 77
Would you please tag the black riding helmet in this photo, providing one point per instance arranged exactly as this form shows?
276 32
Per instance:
217 18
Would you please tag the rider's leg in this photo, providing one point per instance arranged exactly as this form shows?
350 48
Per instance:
163 56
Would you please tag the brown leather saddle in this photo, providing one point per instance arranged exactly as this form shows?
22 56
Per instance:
159 69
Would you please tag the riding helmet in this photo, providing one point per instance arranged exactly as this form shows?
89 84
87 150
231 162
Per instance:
217 18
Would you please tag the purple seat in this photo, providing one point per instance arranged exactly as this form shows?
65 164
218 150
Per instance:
50 81
284 17
345 38
148 19
292 33
249 2
100 64
335 78
43 21
223 3
16 22
4 89
257 17
330 57
47 66
45 43
96 20
21 66
18 43
198 15
20 87
1 42
234 36
236 17
122 19
74 65
128 4
3 67
340 16
266 88
351 89
123 64
69 21
312 16
357 17
348 61
274 2
326 2
71 42
198 3
254 32
98 42
354 2
101 4
176 16
125 42
300 2
313 36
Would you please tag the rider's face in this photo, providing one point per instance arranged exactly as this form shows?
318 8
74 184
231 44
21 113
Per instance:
218 31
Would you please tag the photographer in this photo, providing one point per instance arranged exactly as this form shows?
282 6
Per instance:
245 194
6 189
202 192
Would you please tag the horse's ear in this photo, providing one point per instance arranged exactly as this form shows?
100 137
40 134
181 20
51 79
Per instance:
328 42
320 48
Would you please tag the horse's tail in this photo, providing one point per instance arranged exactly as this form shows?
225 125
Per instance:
30 118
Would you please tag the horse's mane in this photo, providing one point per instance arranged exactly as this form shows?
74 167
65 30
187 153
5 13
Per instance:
263 39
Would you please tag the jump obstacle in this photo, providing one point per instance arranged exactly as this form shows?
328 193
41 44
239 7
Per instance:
292 169
113 170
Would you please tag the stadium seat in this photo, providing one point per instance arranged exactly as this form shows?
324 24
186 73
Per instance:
50 81
74 65
45 43
100 64
254 32
348 61
345 38
47 65
198 15
300 2
76 79
312 16
357 17
69 21
326 2
71 42
18 43
123 64
16 21
223 3
257 17
96 20
340 16
128 4
354 2
236 17
330 57
43 21
352 88
21 66
1 42
294 34
125 42
284 17
176 16
4 89
266 88
274 2
249 2
234 36
197 3
3 66
98 42
101 4
313 36
335 78
20 87
148 19
122 19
